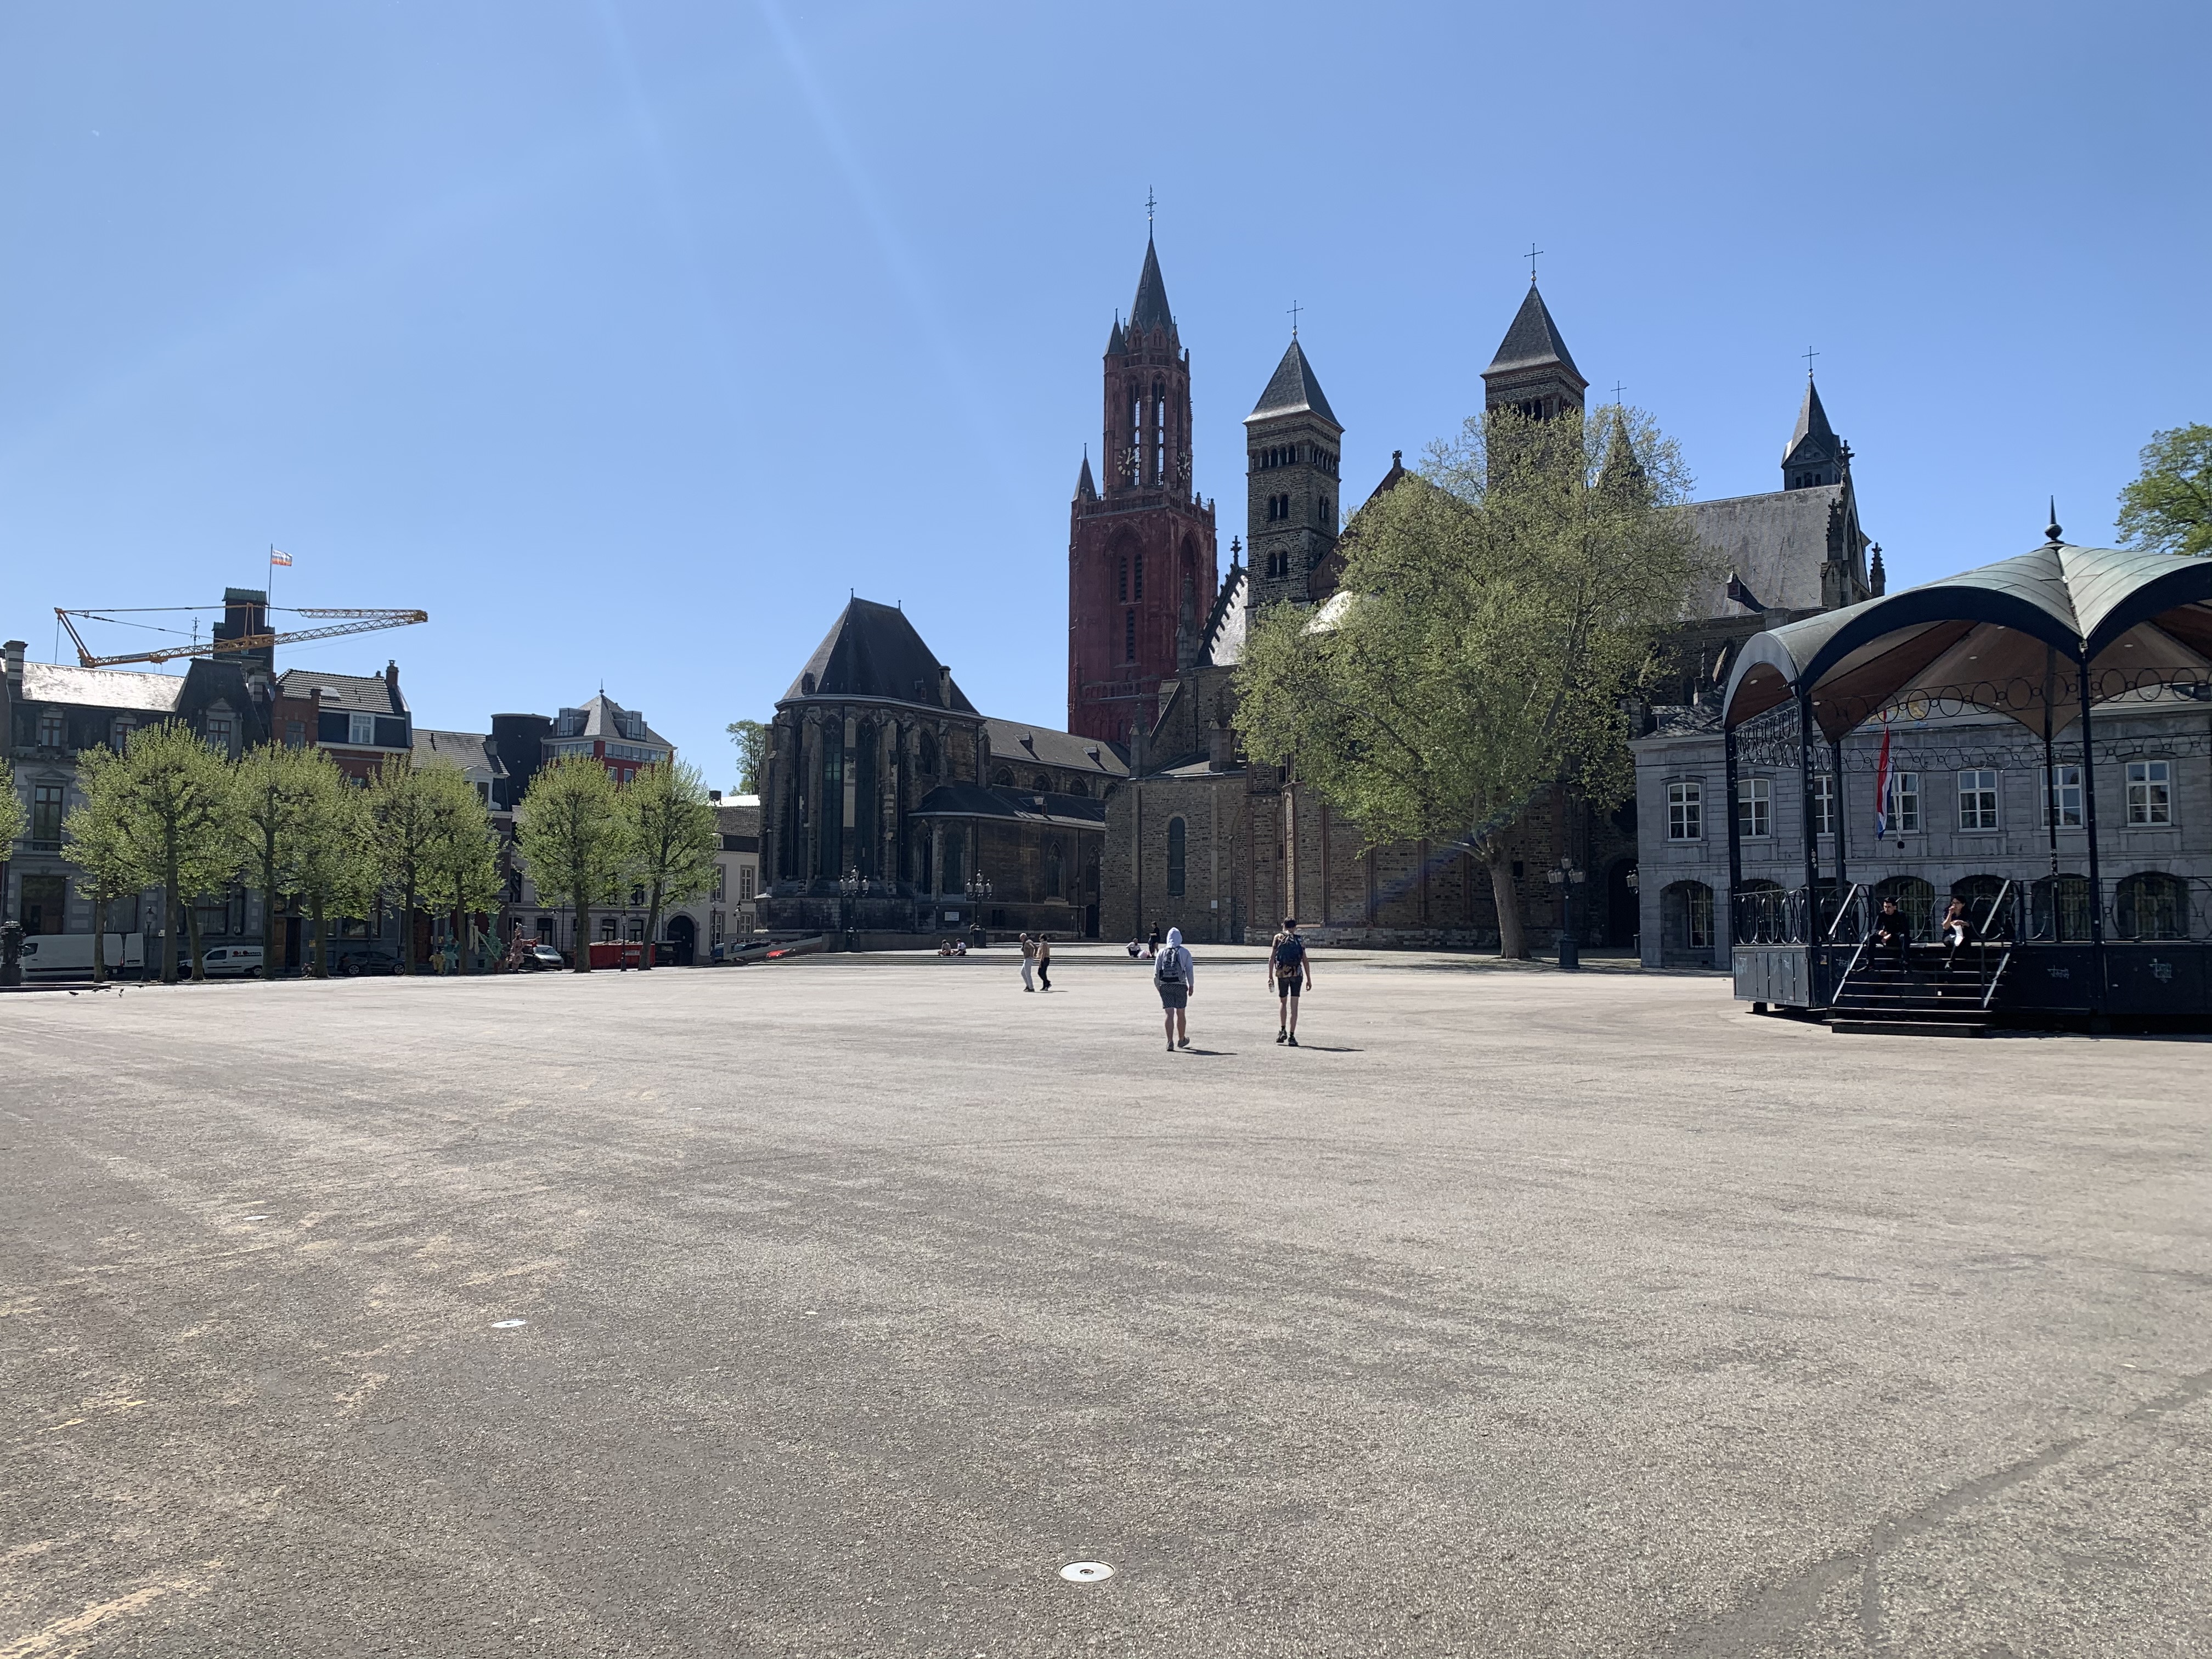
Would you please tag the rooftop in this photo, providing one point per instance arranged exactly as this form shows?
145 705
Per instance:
100 688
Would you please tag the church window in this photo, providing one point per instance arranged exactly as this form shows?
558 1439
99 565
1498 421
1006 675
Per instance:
1053 878
1124 594
1042 784
1003 778
953 876
1129 637
928 752
1140 576
1177 838
1159 433
1076 786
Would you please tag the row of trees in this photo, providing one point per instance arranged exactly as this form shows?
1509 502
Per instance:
170 812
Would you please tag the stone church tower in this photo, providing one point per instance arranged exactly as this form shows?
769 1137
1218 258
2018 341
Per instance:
1141 577
1292 440
1531 372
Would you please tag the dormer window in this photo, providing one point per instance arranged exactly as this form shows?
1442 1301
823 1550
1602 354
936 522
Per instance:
52 734
361 729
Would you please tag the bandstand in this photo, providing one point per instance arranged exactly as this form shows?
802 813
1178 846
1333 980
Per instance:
2070 643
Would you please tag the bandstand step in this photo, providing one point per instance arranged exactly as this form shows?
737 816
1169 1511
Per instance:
1936 1028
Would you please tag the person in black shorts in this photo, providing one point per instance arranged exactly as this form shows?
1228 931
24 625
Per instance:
1291 966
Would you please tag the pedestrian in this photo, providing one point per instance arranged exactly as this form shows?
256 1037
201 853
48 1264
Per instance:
1152 944
1175 976
1028 958
1044 963
1288 963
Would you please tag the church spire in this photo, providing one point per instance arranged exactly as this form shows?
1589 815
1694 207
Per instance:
1816 454
1086 491
1150 309
1623 469
1533 371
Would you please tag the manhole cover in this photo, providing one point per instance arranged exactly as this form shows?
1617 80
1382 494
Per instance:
509 1324
1086 1572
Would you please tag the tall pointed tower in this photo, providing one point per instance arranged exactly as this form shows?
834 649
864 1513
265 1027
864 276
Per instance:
1293 441
1816 455
1533 372
1141 549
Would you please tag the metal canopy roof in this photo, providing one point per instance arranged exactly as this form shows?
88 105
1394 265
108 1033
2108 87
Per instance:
2007 638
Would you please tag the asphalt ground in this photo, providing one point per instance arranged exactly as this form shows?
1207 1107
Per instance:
1516 1313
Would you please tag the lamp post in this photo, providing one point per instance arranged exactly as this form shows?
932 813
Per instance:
979 894
850 885
1566 877
1636 934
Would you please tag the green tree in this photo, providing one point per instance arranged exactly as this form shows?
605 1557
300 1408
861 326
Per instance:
14 822
673 838
2169 505
272 807
329 868
109 867
751 738
575 840
464 867
1491 614
166 801
405 822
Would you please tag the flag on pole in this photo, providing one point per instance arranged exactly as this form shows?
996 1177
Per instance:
275 557
1882 787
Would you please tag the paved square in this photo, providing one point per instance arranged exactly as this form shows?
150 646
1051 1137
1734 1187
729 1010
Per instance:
1516 1314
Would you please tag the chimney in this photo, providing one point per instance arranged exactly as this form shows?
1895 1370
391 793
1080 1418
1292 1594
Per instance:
14 649
944 685
391 680
714 795
1219 747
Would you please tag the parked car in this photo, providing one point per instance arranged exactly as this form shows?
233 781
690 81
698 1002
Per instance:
240 959
352 958
541 959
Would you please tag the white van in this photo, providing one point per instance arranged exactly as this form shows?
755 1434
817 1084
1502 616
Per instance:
241 959
71 953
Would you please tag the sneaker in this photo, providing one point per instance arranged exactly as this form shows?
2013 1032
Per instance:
1185 1043
1170 1048
1281 1036
1292 1040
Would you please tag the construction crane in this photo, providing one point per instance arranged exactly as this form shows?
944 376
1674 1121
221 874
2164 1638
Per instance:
355 622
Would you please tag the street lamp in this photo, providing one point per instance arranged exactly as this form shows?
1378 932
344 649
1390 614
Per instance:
979 894
1566 877
850 885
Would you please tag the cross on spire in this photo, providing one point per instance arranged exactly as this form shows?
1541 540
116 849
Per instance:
1533 252
1149 205
1809 354
1617 388
1295 308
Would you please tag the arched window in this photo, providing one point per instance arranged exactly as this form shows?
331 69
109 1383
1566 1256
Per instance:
1122 592
1914 896
1003 778
1078 787
1042 784
1129 637
1175 839
929 752
1685 917
2151 904
1979 892
1159 447
1054 877
2058 910
1140 576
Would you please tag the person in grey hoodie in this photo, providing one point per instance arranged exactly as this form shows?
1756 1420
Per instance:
1174 976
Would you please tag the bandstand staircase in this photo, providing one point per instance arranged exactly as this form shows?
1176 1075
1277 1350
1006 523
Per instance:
1926 997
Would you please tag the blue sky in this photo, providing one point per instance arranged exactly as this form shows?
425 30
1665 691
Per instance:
627 339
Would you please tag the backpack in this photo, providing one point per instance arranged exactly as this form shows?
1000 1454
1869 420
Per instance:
1167 967
1290 955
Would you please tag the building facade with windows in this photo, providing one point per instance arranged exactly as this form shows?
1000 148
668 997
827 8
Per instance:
1969 806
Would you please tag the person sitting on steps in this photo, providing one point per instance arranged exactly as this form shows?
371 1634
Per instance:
1957 930
1892 932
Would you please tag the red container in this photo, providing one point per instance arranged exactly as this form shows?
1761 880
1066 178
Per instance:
619 953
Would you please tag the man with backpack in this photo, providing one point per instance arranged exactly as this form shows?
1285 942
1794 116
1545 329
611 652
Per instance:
1287 964
1174 976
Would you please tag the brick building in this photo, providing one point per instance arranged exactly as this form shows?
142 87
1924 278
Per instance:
1141 556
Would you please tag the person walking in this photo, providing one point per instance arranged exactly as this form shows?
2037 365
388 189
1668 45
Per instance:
1152 944
1288 962
1175 976
1028 958
1043 962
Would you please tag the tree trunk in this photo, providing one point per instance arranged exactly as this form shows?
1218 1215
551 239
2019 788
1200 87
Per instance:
193 942
407 927
1512 942
99 937
268 904
583 937
317 952
652 928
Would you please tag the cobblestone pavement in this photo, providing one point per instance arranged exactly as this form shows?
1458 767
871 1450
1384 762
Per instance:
833 1308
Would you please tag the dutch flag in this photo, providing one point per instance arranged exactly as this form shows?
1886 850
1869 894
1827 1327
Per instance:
1882 787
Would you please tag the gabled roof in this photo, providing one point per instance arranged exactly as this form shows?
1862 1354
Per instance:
1013 741
599 721
1222 646
1812 424
973 800
1774 543
368 693
100 688
1293 390
1533 342
872 652
1149 310
473 751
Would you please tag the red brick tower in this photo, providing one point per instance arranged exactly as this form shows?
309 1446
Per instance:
1140 557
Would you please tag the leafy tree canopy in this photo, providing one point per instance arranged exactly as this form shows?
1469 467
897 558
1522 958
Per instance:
2169 505
751 738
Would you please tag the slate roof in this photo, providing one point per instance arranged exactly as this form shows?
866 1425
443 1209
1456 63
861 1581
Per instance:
1117 343
973 800
1812 424
1293 390
1533 342
1776 544
100 688
1149 310
1044 746
599 721
1086 491
1223 645
368 693
873 653
473 751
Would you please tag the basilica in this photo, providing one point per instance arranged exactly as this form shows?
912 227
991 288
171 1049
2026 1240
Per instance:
893 810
